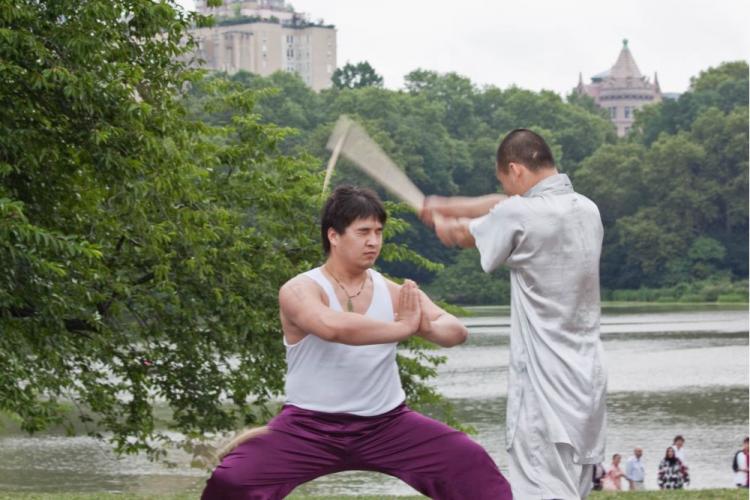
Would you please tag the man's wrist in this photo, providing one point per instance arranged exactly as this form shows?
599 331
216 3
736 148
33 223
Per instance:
403 329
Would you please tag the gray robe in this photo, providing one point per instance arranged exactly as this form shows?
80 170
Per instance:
551 240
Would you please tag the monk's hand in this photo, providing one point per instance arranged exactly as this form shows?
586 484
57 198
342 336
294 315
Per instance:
430 209
409 310
445 230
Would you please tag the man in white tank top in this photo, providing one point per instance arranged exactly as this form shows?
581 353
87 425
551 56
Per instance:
345 405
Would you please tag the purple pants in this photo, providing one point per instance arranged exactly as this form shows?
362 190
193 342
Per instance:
434 459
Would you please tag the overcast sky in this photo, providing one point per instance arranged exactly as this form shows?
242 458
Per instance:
535 45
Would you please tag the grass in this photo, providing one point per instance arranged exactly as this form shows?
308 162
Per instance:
718 494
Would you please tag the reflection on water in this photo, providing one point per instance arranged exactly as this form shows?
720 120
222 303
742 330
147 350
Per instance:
672 372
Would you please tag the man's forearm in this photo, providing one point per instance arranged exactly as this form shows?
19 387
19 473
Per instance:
446 331
357 329
471 207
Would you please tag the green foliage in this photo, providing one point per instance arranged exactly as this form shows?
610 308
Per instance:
356 76
673 196
465 283
142 250
443 130
715 289
145 232
681 175
724 87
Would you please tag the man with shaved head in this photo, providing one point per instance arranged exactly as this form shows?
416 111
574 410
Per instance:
550 237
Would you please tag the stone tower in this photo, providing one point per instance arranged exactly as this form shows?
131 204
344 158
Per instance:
621 90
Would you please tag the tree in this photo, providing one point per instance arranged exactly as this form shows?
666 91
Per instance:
724 87
141 250
466 283
356 76
145 231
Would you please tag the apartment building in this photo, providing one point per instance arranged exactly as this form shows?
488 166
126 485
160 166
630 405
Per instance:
264 36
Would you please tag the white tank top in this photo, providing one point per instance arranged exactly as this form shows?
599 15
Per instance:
337 378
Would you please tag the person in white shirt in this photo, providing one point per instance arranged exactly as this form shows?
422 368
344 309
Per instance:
551 238
678 445
742 466
634 470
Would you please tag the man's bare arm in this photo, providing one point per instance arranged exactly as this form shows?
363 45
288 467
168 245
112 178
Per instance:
301 305
439 326
459 206
436 325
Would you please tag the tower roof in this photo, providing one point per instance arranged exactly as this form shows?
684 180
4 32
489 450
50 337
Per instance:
625 66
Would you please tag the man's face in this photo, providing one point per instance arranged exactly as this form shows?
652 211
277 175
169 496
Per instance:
638 452
360 243
679 443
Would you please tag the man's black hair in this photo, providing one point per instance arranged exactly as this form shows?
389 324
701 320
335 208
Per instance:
345 205
525 147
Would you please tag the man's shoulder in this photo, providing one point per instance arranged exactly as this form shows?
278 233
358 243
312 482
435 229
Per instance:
588 202
303 277
301 283
512 209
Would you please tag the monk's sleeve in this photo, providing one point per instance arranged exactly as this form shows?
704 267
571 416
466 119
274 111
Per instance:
498 233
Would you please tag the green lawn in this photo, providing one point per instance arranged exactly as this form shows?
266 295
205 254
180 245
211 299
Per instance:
724 494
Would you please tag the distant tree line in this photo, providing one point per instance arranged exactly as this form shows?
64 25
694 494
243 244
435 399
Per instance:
673 194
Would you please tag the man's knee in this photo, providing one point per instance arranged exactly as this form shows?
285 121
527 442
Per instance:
470 455
227 483
475 472
223 483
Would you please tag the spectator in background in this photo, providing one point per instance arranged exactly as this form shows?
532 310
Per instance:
612 480
634 470
678 445
740 466
672 474
598 476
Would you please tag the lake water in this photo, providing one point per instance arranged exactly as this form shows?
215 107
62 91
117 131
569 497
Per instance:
671 371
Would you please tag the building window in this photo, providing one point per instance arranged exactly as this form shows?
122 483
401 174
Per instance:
627 112
613 112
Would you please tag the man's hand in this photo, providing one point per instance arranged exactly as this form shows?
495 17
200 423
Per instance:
432 323
454 232
457 207
425 324
430 208
444 229
409 310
